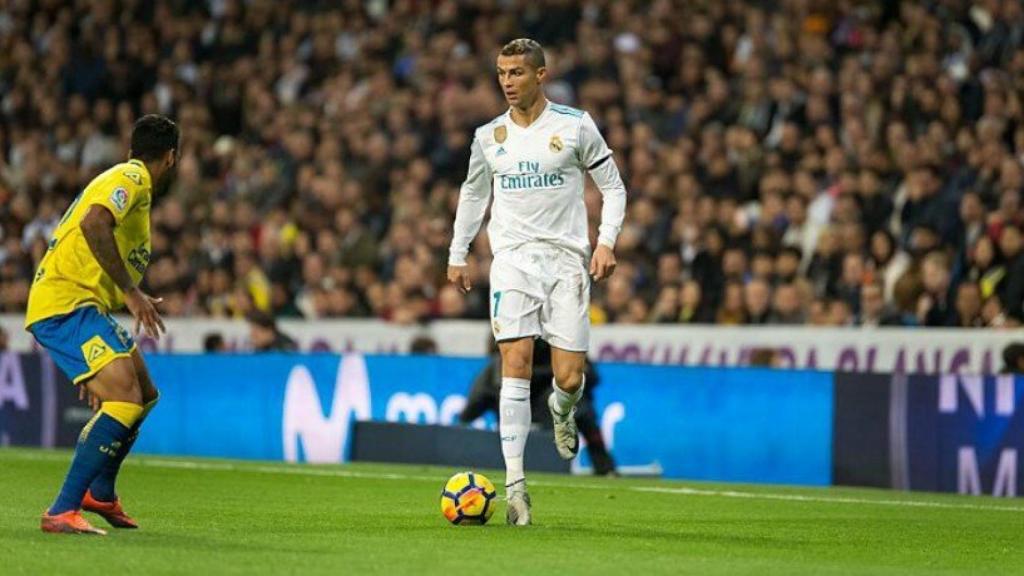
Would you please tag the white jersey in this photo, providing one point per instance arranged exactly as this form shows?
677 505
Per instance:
536 175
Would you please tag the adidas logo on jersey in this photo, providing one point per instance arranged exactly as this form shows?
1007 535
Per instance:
501 151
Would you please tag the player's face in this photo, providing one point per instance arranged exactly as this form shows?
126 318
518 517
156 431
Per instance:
519 81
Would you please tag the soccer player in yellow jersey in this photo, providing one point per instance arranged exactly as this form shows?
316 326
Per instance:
93 266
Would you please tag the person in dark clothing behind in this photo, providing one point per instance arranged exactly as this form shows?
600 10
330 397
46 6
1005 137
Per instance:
1013 358
1011 289
483 396
423 345
265 335
214 343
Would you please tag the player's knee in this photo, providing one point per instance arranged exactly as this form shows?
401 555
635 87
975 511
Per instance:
517 358
129 391
569 378
149 392
118 382
150 395
516 365
516 368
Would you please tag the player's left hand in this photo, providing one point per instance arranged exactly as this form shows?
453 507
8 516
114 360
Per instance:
603 263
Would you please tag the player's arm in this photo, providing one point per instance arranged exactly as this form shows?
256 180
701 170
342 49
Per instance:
474 196
98 229
596 157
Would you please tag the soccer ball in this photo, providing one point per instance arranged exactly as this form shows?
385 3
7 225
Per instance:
468 498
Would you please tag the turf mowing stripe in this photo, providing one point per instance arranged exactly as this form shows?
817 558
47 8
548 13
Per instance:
300 470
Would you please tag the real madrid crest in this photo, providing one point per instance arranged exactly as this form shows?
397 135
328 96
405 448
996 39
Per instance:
556 144
500 134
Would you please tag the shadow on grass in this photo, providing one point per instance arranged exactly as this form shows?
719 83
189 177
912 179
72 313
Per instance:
123 542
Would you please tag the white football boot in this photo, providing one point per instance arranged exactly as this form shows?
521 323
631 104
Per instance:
517 505
567 438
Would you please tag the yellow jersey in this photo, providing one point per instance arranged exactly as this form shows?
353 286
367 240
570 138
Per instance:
69 276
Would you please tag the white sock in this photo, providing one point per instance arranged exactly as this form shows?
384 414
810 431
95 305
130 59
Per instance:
564 401
514 426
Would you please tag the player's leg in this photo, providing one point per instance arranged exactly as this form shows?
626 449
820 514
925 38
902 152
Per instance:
515 321
567 389
514 405
566 326
514 424
93 351
116 386
101 497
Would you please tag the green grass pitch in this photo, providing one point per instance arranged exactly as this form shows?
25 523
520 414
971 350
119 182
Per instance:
229 517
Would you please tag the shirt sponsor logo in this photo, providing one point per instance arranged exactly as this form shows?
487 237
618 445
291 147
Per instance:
545 181
119 198
138 258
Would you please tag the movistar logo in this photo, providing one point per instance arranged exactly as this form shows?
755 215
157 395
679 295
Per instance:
308 434
531 178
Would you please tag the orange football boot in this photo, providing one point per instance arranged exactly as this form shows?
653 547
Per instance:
110 511
70 522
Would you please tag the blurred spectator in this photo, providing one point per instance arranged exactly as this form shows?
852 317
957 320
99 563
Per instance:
847 287
265 335
756 295
213 343
821 145
4 344
692 307
786 306
763 357
983 268
1011 289
889 262
423 345
1013 358
967 308
873 311
933 306
840 313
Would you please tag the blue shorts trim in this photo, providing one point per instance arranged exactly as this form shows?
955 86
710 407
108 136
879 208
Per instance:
83 342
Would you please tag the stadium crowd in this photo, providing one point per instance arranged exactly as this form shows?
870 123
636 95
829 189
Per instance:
791 162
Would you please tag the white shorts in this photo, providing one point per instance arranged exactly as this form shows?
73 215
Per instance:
541 291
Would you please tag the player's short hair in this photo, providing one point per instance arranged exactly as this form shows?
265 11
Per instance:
153 136
532 49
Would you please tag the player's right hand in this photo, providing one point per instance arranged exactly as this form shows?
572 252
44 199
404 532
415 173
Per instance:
143 308
86 395
459 275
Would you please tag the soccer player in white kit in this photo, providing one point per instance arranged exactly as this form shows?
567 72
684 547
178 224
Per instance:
533 158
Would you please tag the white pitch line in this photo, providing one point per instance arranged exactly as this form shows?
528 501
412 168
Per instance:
824 499
681 490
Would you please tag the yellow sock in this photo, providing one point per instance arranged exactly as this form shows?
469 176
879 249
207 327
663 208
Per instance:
126 413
